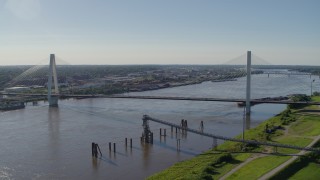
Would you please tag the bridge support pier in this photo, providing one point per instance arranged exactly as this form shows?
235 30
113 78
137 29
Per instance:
53 100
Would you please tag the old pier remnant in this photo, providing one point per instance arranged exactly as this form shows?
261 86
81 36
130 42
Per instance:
147 135
94 149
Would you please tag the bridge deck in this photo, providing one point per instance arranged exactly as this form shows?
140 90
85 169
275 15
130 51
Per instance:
257 101
146 117
286 73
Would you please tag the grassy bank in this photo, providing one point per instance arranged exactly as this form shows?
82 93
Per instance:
304 167
299 129
300 133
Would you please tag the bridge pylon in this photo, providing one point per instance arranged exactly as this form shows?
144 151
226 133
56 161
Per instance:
53 97
248 87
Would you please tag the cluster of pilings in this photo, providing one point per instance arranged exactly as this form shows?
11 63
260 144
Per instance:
126 142
94 149
112 147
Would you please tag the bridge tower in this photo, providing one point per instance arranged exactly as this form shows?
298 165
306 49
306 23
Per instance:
248 89
53 98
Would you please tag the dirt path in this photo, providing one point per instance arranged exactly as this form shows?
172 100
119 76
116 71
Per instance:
283 165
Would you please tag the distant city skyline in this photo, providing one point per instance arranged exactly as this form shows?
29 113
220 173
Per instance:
159 32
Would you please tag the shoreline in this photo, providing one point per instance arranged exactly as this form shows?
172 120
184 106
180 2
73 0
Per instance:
206 168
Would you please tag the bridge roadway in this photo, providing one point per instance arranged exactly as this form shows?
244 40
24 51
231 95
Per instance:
146 117
286 73
254 101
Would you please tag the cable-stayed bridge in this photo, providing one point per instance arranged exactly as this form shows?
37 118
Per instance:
43 75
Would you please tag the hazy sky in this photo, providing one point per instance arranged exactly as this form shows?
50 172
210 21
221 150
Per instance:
159 31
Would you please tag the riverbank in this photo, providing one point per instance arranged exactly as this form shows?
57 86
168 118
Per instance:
297 128
11 105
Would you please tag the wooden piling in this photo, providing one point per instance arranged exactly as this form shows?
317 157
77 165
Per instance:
98 148
126 141
110 146
130 142
165 132
92 148
151 138
160 132
114 147
201 126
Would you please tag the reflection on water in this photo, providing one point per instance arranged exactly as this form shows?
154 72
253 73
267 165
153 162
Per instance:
248 121
95 163
55 143
146 150
53 128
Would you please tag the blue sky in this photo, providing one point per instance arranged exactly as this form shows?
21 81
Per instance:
159 31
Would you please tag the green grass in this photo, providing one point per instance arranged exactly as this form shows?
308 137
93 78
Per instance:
311 171
258 167
191 169
308 125
316 98
227 167
312 107
194 168
297 141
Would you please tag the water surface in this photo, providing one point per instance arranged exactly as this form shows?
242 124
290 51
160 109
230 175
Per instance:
39 142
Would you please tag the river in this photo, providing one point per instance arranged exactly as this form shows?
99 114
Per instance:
39 142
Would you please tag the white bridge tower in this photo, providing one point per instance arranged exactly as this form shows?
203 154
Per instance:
53 97
248 89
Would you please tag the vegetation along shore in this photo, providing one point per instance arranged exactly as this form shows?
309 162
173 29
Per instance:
297 125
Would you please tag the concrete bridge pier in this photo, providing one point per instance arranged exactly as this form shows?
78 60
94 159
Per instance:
53 99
